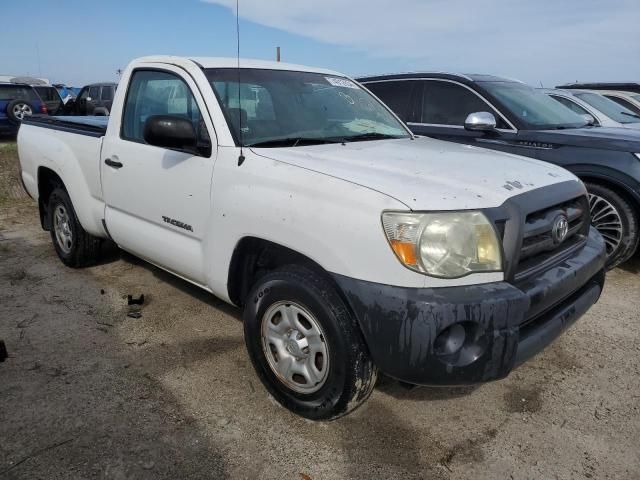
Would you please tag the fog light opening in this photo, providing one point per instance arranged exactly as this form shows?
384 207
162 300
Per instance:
460 344
450 340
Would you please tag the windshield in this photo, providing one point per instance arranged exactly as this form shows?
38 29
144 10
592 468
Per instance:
535 109
636 97
610 108
286 108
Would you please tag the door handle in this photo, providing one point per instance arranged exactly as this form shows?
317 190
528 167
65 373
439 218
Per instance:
113 163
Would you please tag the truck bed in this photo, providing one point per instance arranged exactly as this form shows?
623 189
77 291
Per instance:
90 126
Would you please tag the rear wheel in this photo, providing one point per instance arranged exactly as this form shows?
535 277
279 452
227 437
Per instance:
616 220
306 345
75 247
17 110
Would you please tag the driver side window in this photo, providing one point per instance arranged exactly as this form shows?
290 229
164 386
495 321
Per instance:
154 92
447 103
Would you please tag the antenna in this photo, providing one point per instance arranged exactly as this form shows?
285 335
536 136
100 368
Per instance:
39 64
241 158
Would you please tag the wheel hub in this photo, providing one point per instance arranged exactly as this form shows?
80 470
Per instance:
295 347
62 228
296 344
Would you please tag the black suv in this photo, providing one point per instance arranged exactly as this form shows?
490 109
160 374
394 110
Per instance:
95 99
510 116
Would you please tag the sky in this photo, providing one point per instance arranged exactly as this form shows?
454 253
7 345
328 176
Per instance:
540 42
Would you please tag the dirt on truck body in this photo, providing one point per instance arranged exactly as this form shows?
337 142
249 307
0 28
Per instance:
88 392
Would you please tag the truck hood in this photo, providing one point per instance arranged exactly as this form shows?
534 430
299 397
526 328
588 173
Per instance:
426 174
605 138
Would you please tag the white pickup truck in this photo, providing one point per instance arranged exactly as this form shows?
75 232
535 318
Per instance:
352 246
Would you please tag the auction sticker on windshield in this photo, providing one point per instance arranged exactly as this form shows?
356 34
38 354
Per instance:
341 82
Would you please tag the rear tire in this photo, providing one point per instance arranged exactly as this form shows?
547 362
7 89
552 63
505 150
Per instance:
616 220
75 247
321 322
17 110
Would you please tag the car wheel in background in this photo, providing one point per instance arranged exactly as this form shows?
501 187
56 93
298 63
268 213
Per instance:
75 247
17 110
616 220
306 345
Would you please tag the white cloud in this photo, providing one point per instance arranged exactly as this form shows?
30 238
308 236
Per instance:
563 39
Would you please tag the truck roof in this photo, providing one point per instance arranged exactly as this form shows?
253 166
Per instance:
231 62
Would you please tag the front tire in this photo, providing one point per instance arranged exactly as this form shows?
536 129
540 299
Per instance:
75 247
616 220
306 345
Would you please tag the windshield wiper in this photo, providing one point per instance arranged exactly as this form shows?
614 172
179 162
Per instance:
291 142
629 114
370 136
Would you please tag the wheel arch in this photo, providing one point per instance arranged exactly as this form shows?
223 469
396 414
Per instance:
48 181
618 186
254 257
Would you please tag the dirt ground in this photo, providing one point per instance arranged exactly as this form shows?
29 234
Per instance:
89 392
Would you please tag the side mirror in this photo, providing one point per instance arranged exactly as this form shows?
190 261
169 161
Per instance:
589 119
170 131
480 122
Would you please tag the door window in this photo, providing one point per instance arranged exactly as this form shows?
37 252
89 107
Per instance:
153 92
446 103
94 93
571 105
107 94
396 95
11 92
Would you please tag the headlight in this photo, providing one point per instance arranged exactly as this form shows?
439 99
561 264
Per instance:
446 244
637 155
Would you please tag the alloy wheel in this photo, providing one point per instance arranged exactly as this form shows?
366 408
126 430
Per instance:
607 220
62 228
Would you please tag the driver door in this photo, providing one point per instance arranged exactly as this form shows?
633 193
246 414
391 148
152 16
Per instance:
158 200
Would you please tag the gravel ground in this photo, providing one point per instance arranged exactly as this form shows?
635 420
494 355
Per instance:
89 392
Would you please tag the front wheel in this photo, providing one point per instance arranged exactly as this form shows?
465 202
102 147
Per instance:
616 220
306 346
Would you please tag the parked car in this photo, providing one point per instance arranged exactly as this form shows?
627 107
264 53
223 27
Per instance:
625 94
509 116
16 102
631 101
95 99
51 98
597 109
351 245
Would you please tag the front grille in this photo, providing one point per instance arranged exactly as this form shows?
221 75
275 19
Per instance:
538 247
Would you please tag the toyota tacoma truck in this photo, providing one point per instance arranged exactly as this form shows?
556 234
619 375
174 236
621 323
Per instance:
352 246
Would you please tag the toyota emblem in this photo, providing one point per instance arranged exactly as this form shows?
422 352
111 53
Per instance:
560 229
